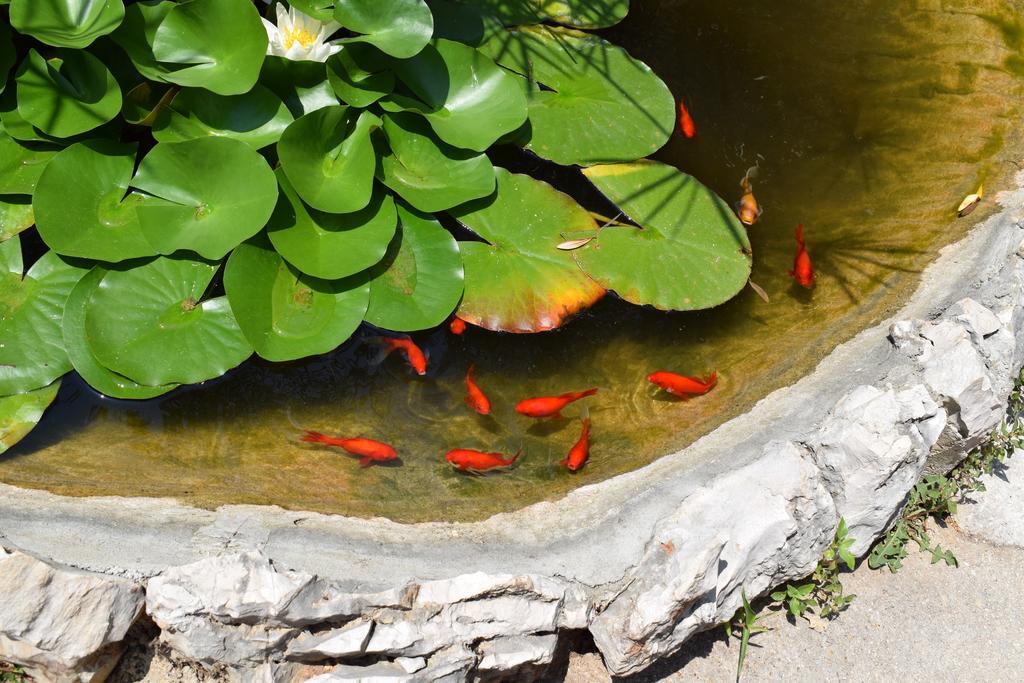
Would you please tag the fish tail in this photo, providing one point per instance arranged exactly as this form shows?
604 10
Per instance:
585 394
800 235
585 416
385 347
313 437
516 456
469 372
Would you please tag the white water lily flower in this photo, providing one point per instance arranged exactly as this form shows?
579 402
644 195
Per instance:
300 37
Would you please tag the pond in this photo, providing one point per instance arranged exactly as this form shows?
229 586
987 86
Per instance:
868 123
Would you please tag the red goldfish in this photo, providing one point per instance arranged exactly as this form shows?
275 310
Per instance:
457 326
413 354
678 385
577 457
803 271
478 462
475 398
748 209
686 123
550 406
367 450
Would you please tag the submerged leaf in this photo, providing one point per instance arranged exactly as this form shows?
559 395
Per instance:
20 413
577 13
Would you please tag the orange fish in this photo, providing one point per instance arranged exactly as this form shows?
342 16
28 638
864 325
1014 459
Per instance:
686 123
367 450
478 462
803 271
748 209
413 354
577 457
550 406
457 326
678 385
475 398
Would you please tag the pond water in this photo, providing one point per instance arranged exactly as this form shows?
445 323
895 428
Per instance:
869 121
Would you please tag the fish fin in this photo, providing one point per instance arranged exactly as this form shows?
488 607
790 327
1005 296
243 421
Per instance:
800 235
564 462
313 437
385 349
585 414
365 462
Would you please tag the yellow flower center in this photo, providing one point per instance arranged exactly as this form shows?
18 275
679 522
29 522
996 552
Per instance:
300 35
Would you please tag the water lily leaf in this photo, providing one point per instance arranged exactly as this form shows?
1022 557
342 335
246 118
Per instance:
329 158
420 281
518 281
32 352
691 253
66 23
67 95
331 245
427 173
400 28
302 86
285 314
321 10
20 413
360 75
598 104
468 24
208 195
470 101
80 204
144 103
214 44
578 13
100 378
151 324
7 54
22 164
257 118
15 216
136 33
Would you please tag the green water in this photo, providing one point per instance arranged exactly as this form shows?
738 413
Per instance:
870 121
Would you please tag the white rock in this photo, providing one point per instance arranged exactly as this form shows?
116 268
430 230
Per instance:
756 527
451 665
62 625
212 642
348 641
509 654
979 321
997 514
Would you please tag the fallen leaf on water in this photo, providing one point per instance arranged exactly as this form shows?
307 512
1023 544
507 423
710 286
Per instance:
970 203
760 291
575 244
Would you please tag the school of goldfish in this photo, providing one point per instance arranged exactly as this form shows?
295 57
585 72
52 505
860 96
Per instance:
470 461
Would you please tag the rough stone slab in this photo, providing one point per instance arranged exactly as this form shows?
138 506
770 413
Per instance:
348 641
451 665
997 515
62 625
761 525
509 654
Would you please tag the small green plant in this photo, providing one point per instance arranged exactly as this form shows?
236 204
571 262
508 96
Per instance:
9 673
745 624
823 593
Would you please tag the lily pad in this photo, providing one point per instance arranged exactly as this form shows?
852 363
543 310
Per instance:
420 281
31 307
257 118
430 174
15 216
691 253
302 86
135 36
207 195
518 281
469 100
80 204
329 158
144 103
360 75
20 413
576 13
214 44
151 324
66 23
331 245
400 28
21 164
67 95
321 10
101 379
285 314
597 105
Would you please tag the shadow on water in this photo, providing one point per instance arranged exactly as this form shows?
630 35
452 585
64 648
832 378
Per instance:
868 123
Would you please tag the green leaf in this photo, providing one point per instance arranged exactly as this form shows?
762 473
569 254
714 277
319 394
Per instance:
470 101
285 314
32 353
136 34
80 204
214 44
208 195
67 95
144 103
321 10
468 24
21 164
518 281
330 245
598 105
420 281
66 23
257 118
101 379
20 413
578 13
151 324
302 86
429 174
329 158
691 252
15 216
360 75
400 28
